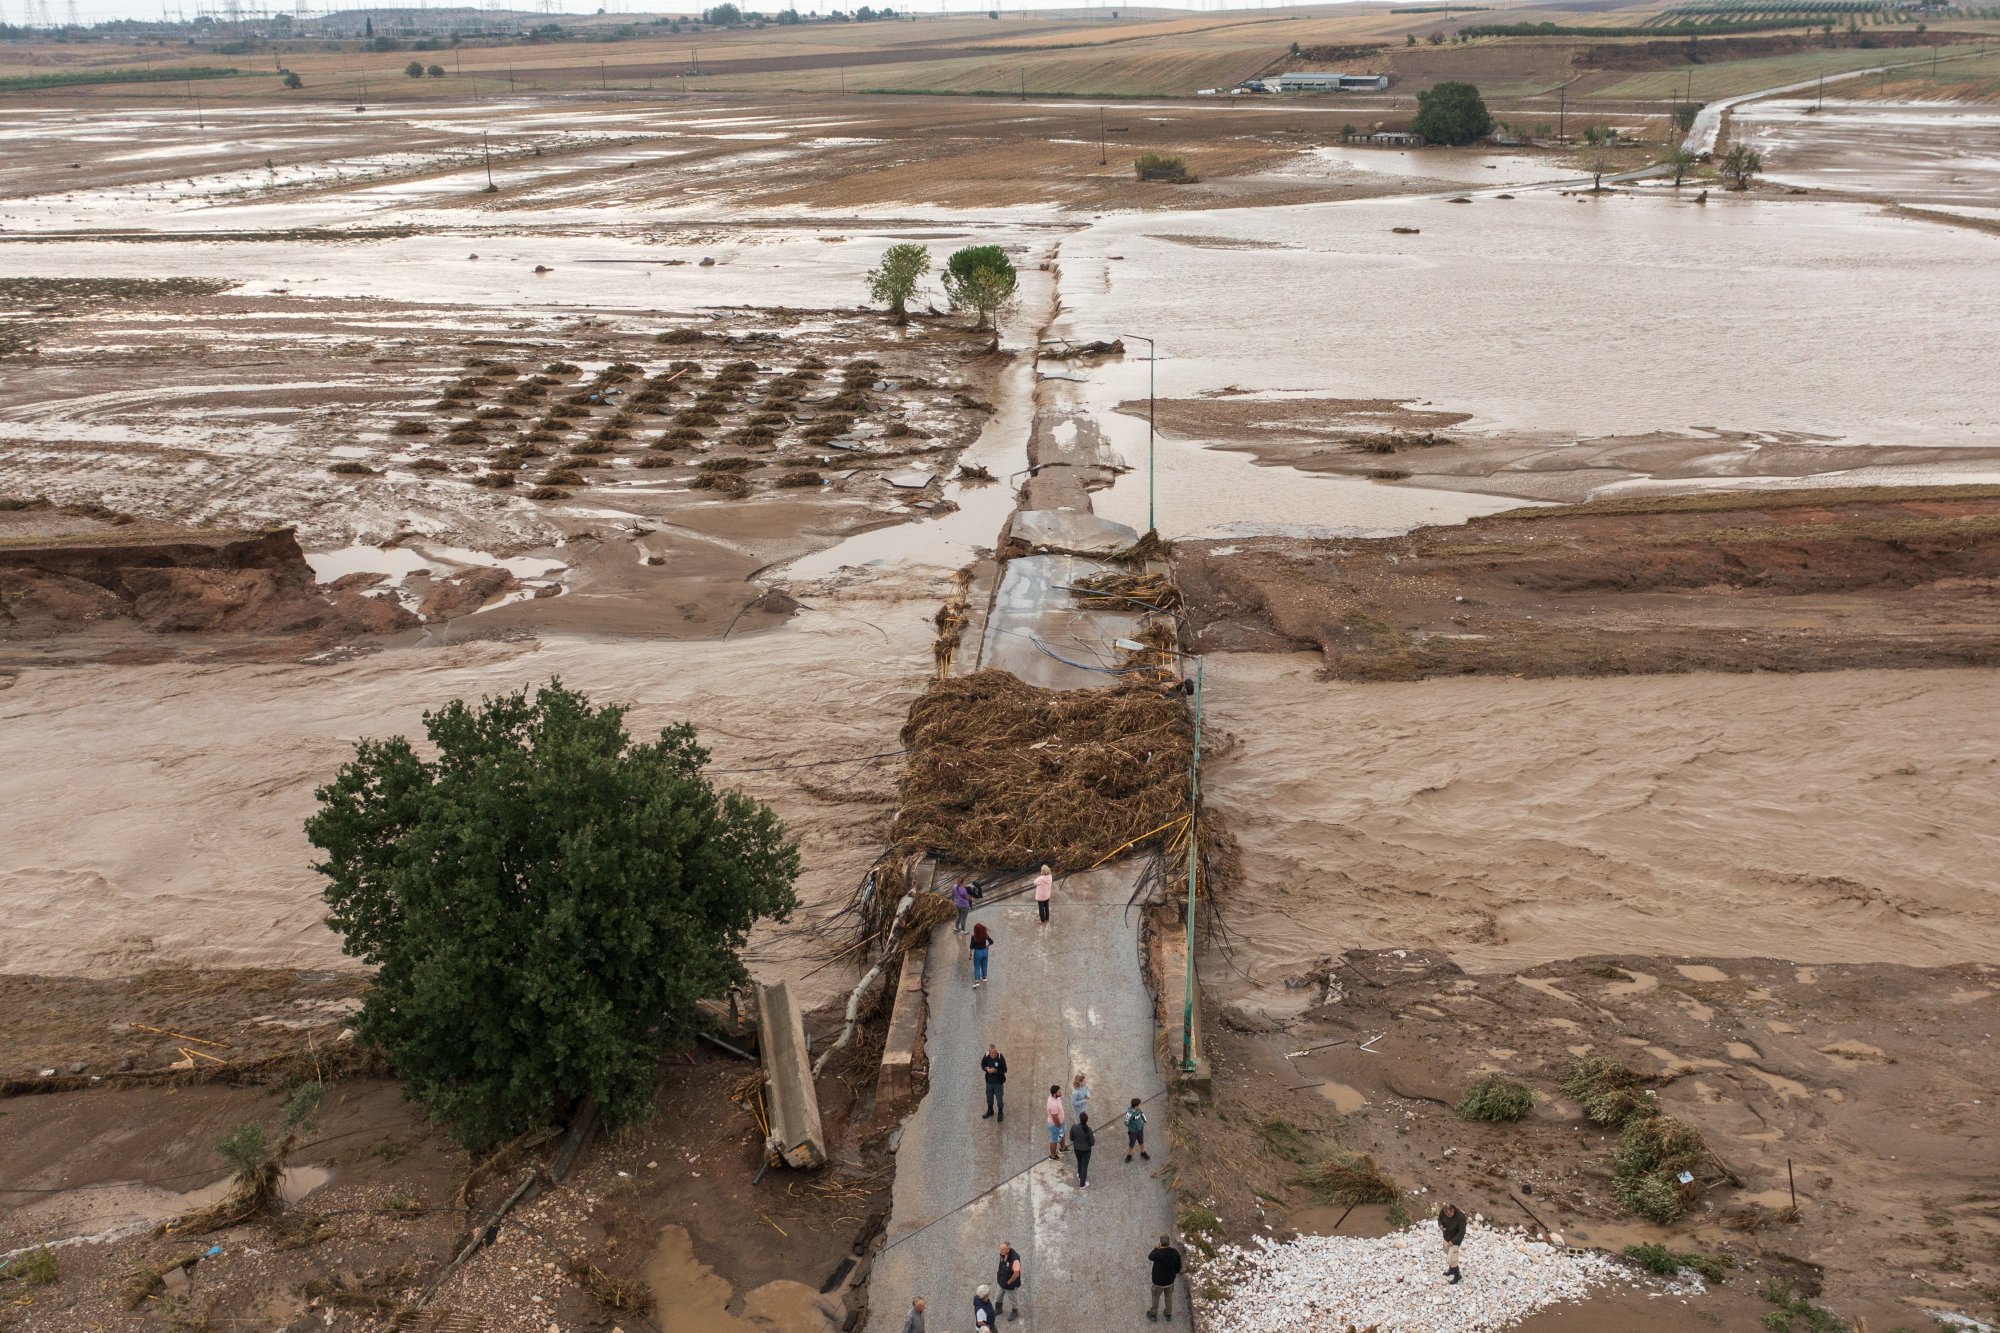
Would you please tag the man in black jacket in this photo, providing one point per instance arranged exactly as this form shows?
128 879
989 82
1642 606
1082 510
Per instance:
1451 1225
994 1066
1008 1276
1166 1261
1082 1138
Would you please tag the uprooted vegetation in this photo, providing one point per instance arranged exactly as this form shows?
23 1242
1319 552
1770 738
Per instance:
1789 581
1661 1164
1000 773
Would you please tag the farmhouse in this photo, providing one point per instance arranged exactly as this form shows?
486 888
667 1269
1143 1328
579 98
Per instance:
1312 81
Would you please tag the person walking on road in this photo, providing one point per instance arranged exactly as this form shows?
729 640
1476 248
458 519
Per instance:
1008 1275
1045 885
1451 1225
982 941
994 1066
1055 1112
913 1322
982 1309
1166 1261
961 898
1082 1140
1135 1131
1079 1094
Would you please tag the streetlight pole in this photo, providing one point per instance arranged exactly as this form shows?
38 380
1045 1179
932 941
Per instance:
1194 804
1152 360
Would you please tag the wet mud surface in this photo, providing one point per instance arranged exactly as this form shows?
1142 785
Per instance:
1785 581
1873 1081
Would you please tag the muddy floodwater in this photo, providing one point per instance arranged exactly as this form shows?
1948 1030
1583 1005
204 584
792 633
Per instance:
1943 153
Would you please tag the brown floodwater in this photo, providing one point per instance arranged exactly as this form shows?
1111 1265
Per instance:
1919 153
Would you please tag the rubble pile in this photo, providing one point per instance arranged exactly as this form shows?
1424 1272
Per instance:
1393 1283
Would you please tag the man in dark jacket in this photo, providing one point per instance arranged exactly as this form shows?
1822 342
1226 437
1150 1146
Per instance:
1166 1261
1008 1276
994 1066
982 1310
1451 1225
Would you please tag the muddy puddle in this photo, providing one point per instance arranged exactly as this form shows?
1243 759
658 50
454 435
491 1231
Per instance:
693 1298
1934 153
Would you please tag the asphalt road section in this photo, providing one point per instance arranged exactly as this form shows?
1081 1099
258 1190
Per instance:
1060 999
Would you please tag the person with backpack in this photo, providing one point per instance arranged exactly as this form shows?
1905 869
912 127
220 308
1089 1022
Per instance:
994 1066
1008 1276
1082 1140
1135 1131
982 943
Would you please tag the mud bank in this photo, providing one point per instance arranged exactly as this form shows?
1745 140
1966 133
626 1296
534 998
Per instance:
1787 581
94 585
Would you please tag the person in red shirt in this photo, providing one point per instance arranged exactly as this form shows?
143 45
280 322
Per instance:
982 940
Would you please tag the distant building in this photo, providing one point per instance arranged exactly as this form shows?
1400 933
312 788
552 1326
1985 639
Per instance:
1312 81
1400 137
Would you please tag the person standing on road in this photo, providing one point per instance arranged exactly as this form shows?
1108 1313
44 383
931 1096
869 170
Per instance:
1451 1225
1166 1261
1082 1139
913 1322
982 941
961 898
1079 1094
1135 1131
1008 1275
1055 1111
982 1309
994 1066
1045 885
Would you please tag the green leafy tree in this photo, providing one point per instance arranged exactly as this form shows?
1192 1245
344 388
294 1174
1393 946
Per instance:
1680 161
1740 163
292 79
415 69
1347 132
544 902
722 15
981 278
894 281
435 71
1451 113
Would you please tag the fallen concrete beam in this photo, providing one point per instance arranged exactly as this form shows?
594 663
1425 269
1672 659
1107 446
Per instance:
896 1083
792 1100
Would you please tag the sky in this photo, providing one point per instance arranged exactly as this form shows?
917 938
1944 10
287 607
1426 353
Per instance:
94 11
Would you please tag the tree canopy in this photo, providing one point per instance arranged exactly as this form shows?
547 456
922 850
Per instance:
1740 163
980 278
894 281
544 900
1451 113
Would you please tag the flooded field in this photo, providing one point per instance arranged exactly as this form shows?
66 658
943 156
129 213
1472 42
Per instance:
1921 153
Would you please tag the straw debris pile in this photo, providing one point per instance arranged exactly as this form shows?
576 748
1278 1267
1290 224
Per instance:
1001 773
1393 1283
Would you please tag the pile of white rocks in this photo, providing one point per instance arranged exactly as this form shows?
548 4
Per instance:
1393 1283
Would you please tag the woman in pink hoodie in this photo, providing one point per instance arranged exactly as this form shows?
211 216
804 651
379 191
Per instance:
1045 884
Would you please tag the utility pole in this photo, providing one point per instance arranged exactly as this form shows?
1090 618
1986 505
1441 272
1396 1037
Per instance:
1194 804
1152 360
1562 111
486 148
1101 159
602 83
1024 83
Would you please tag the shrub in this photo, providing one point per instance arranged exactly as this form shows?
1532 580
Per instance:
426 465
1161 167
1665 1262
350 468
1652 1154
407 427
731 484
415 69
545 903
1792 1307
546 492
1496 1098
654 460
800 477
35 1268
730 464
1607 1091
562 476
1346 1177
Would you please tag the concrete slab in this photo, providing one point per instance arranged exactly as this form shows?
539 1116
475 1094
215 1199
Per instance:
1060 998
1037 631
1074 531
895 1080
790 1097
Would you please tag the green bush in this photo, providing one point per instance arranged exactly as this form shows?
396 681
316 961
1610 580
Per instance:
36 1268
1665 1262
1161 167
1495 1098
1608 1092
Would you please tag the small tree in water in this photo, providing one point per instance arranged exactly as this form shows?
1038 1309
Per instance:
545 900
894 281
1680 161
1740 163
981 278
